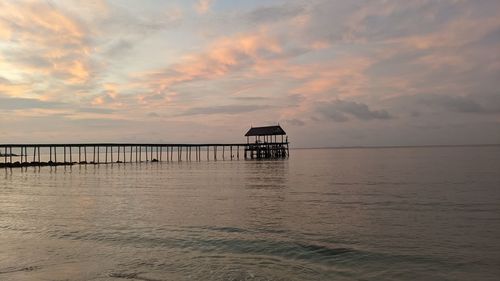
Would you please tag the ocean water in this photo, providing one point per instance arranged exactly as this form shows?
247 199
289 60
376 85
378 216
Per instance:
322 214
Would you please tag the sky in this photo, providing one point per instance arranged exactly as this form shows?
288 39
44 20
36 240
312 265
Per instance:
331 73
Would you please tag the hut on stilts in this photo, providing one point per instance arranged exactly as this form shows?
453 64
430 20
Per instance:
266 142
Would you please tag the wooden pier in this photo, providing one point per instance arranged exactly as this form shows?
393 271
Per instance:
24 155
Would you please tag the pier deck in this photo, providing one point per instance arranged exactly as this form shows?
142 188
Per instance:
21 155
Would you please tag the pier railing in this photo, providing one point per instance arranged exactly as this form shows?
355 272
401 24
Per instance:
20 155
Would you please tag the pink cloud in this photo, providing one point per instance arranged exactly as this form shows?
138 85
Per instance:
345 76
225 55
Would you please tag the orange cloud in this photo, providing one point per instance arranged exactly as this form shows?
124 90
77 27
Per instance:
45 40
5 32
14 89
79 72
221 57
110 98
345 76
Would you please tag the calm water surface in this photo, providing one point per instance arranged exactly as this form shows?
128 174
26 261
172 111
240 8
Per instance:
343 214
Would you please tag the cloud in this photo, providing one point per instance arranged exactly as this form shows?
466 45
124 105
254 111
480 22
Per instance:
52 108
375 21
295 122
340 111
96 110
223 109
288 61
225 55
203 6
109 97
332 114
55 51
124 22
46 40
8 103
490 38
104 123
479 104
119 47
9 88
345 76
251 98
275 13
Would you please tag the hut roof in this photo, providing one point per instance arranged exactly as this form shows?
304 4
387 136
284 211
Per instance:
265 131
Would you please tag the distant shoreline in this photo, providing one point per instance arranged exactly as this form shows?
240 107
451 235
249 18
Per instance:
400 146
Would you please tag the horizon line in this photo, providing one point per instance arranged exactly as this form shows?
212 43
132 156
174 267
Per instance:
400 146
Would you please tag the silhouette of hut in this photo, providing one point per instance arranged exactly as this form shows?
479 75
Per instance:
266 134
266 143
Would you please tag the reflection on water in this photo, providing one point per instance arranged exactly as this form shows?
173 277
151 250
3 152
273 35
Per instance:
371 214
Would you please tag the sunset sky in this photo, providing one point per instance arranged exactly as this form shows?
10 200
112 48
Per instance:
332 73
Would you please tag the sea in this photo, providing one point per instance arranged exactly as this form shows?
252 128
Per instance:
412 213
